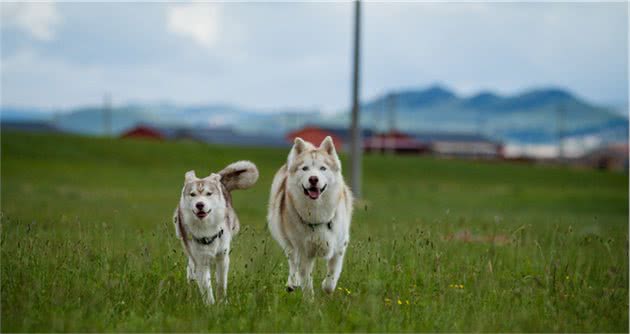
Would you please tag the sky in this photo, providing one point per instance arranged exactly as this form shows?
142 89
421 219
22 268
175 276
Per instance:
275 56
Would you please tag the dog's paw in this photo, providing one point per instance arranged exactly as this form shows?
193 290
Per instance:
328 286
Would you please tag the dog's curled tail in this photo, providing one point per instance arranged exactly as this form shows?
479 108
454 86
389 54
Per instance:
239 175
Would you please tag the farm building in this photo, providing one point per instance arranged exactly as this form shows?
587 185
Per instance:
221 136
460 144
316 134
445 144
394 141
155 132
608 157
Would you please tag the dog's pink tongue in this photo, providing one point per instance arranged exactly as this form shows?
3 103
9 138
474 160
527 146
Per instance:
313 193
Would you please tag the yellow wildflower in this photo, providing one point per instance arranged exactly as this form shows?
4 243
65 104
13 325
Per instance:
399 302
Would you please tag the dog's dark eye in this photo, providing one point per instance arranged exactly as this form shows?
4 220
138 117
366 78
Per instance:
322 168
208 193
305 168
193 194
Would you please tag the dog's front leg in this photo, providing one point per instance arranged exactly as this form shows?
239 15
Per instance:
335 263
293 281
222 268
306 269
205 286
190 270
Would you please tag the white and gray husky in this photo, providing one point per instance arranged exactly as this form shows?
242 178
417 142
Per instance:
310 210
205 222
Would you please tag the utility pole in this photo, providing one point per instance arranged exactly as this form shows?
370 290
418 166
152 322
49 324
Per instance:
357 142
107 115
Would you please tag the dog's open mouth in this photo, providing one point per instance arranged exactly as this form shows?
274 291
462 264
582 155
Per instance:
201 214
313 192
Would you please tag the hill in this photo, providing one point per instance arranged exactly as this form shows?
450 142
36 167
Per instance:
540 113
531 117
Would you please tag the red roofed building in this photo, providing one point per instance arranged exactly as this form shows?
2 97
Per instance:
317 134
394 141
157 132
144 131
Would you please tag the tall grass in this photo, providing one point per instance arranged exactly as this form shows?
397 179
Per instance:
436 245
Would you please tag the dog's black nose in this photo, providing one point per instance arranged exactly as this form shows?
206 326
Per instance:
199 205
313 180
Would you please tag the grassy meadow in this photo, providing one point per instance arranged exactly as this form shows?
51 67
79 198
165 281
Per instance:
87 244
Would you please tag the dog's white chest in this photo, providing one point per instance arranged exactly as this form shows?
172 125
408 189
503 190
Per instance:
208 253
319 243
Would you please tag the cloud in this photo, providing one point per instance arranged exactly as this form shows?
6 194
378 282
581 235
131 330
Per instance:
505 47
198 21
31 78
281 55
37 19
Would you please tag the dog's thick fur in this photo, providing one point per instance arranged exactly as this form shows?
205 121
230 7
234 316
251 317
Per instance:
310 210
205 211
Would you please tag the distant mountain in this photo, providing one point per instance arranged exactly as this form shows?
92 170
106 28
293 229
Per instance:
531 117
482 100
24 114
416 98
534 99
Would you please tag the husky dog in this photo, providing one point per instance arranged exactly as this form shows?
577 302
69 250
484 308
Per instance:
310 209
205 222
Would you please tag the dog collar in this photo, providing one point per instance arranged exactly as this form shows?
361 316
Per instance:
314 225
208 240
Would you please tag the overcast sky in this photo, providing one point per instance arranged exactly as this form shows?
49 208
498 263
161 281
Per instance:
282 55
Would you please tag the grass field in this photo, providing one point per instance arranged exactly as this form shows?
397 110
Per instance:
437 245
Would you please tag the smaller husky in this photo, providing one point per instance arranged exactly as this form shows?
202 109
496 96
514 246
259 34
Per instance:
310 209
205 222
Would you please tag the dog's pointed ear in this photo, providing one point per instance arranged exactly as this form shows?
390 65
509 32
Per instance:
190 176
328 146
239 175
299 146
